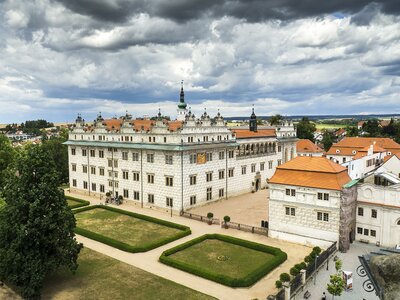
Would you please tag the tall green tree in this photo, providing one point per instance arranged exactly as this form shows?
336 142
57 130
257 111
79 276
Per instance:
335 286
7 154
305 129
275 120
352 131
372 128
328 138
36 225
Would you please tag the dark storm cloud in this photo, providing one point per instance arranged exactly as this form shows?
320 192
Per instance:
250 10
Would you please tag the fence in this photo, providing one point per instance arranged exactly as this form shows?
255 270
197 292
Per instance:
296 282
247 228
280 295
200 218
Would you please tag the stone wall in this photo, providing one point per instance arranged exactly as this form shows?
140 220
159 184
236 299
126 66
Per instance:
347 223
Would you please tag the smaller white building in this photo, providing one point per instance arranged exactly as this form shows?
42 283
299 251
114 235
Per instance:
313 202
378 205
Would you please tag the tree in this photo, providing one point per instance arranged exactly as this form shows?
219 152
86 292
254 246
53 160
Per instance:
7 154
306 129
59 154
210 215
226 220
284 277
372 128
335 286
36 225
352 131
327 139
275 120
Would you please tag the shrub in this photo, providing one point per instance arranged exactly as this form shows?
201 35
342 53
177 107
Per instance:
108 194
294 271
227 219
308 259
302 266
210 215
284 277
126 247
278 284
317 250
247 280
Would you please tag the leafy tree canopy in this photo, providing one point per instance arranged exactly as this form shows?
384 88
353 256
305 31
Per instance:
306 129
275 120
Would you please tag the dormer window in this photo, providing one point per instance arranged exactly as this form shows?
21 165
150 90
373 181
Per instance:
337 151
354 152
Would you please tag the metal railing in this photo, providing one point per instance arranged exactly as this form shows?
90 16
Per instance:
200 218
247 228
295 283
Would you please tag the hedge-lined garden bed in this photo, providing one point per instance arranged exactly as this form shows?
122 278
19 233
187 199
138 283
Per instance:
75 202
126 230
231 261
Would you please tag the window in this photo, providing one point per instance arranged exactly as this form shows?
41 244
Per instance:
109 149
93 187
360 211
115 163
322 216
150 198
165 139
92 153
323 196
110 163
135 176
73 166
126 193
209 156
262 166
125 174
84 169
85 185
170 202
93 170
150 178
359 230
192 158
193 200
125 155
230 172
366 231
291 192
101 171
102 189
209 193
83 152
221 174
374 213
253 168
290 211
373 233
136 195
221 193
193 179
101 153
221 155
209 176
270 164
169 181
243 170
73 151
279 148
74 182
231 154
150 158
168 159
135 156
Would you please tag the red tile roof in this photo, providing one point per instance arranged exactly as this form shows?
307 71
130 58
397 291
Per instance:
306 145
246 133
139 124
350 144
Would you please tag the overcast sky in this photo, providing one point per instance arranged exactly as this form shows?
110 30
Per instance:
61 57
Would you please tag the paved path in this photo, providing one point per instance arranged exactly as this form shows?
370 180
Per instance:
148 261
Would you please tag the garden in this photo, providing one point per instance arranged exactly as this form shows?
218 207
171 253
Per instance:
101 277
231 261
75 202
126 230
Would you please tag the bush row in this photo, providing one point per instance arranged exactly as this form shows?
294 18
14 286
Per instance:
126 247
249 279
80 204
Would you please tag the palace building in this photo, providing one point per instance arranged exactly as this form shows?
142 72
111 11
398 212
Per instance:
177 164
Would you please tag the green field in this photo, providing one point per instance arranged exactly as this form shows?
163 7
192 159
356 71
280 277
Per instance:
121 227
227 260
330 126
101 277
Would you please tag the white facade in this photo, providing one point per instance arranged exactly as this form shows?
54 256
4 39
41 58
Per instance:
359 167
185 164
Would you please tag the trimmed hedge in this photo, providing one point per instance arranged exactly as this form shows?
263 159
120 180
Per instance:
124 246
80 204
249 279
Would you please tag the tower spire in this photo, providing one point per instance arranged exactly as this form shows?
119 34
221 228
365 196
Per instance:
182 103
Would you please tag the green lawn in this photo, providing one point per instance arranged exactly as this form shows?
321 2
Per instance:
72 202
240 261
224 259
127 229
101 277
330 126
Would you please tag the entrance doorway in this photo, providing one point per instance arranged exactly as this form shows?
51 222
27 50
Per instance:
258 181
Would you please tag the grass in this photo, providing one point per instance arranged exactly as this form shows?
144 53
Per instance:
75 202
125 230
224 259
101 277
72 202
330 126
64 186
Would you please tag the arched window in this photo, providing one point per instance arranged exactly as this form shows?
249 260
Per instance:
398 222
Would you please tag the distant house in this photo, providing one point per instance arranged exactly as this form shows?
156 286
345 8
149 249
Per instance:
305 147
340 133
382 123
318 135
348 148
378 205
312 201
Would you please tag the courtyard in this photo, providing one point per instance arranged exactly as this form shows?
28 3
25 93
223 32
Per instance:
249 209
126 231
